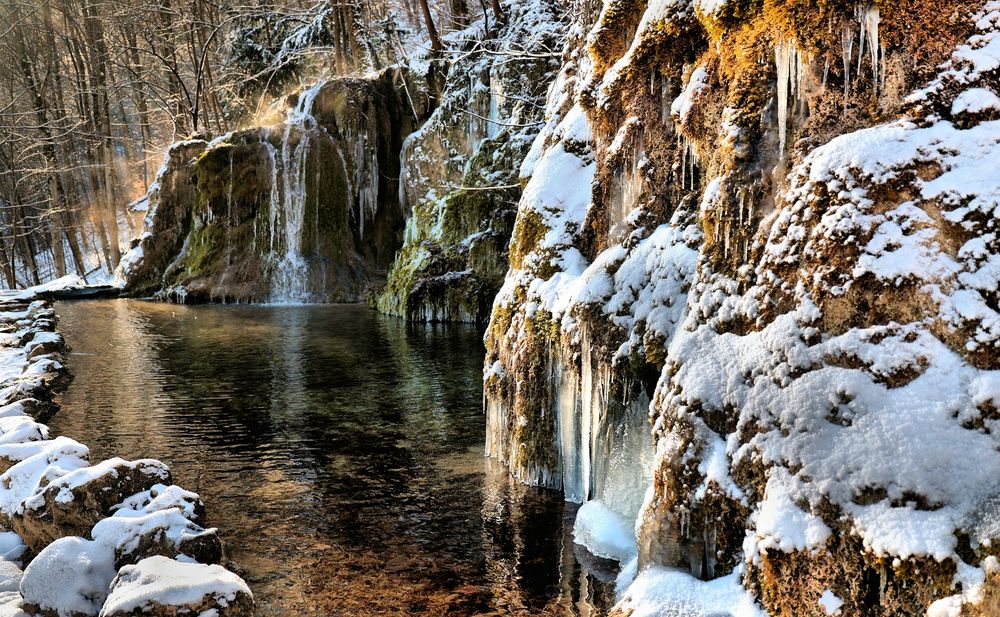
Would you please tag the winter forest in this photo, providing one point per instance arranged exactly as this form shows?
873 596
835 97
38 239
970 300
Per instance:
500 308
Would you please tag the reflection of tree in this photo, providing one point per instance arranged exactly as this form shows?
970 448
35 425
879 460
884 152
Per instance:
114 402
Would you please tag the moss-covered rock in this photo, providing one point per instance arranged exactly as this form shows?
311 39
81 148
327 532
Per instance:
461 174
304 210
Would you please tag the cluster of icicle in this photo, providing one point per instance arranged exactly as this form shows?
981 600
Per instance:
604 446
793 66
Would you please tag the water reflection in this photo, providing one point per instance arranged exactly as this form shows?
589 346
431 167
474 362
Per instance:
339 452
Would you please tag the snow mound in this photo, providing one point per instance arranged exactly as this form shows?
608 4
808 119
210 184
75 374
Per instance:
604 532
10 576
665 592
10 604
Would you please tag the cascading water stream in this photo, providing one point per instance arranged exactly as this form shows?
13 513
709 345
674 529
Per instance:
290 278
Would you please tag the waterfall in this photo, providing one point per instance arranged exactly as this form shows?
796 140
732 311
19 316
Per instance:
290 278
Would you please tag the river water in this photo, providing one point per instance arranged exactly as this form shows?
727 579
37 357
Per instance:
339 453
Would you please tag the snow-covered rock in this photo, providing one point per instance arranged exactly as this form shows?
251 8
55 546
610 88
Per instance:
797 262
162 587
75 501
69 578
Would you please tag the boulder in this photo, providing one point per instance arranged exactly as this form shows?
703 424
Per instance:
27 406
21 429
42 454
43 342
75 502
49 368
166 533
35 464
161 521
162 497
163 587
69 578
27 387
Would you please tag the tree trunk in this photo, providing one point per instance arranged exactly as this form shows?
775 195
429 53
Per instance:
7 267
436 45
58 255
498 14
74 249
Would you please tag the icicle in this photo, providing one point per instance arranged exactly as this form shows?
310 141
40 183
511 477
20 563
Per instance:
710 536
861 42
847 44
497 100
682 148
868 18
792 66
783 57
665 102
275 198
229 194
587 392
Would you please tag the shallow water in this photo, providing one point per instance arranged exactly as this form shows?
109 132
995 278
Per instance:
339 452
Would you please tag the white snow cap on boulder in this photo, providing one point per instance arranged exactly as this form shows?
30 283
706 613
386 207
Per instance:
70 577
163 586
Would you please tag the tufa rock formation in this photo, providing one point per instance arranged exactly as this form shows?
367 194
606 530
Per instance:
302 211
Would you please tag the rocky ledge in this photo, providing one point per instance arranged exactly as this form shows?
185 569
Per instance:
111 538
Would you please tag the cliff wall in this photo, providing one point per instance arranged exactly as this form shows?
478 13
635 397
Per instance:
775 222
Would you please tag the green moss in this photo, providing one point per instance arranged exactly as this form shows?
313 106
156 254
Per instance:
528 233
205 252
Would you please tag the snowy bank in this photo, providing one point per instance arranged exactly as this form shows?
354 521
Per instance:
80 528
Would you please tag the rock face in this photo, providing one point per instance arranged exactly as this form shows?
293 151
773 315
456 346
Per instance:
306 210
459 170
315 209
773 225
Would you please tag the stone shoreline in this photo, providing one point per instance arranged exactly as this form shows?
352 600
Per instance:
109 538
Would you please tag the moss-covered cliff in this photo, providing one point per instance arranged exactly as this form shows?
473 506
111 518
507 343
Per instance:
776 221
460 178
303 211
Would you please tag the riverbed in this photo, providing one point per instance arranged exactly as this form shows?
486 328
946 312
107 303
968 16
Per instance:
339 452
